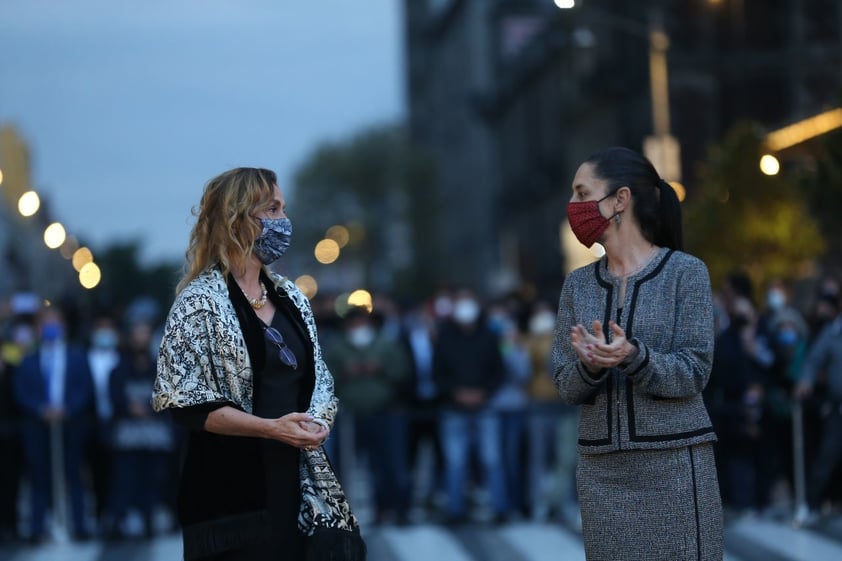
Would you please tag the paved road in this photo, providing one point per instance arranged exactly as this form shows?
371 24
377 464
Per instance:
747 540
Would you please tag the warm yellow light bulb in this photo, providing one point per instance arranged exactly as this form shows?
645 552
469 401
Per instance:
327 251
90 275
54 235
307 285
81 257
29 203
361 298
770 165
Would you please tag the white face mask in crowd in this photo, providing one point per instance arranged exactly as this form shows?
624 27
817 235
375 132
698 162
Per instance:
465 311
443 307
361 336
542 323
775 299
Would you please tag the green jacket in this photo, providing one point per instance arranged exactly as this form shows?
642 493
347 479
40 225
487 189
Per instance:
371 378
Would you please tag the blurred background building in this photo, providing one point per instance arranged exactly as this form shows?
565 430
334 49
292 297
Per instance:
26 262
508 96
503 99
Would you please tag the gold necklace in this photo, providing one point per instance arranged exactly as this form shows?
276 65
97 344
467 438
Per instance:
257 303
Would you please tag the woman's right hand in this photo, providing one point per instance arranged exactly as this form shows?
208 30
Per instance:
297 429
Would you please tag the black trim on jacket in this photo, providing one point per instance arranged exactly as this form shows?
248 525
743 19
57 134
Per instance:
629 386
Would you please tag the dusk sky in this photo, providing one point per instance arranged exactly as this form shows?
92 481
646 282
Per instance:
128 108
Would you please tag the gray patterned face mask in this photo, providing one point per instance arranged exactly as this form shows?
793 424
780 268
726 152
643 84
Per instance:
274 240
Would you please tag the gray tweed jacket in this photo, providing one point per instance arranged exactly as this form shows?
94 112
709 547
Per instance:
655 401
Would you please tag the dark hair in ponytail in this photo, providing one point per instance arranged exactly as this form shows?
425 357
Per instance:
656 205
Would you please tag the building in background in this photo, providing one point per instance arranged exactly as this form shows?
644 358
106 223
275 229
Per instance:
510 95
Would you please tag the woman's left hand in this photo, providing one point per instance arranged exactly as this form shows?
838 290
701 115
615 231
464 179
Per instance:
596 353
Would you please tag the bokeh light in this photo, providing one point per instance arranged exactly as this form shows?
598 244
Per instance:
339 234
340 305
769 165
565 4
82 257
327 251
307 285
54 235
29 203
69 247
361 298
1 177
90 275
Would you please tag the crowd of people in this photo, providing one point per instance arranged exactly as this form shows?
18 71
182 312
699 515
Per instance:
83 453
771 356
450 404
447 405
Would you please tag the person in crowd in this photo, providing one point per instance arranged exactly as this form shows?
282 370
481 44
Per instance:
10 465
468 369
240 365
633 347
737 393
788 335
103 355
824 358
510 401
54 391
371 370
777 297
824 305
418 334
141 441
442 305
552 428
20 340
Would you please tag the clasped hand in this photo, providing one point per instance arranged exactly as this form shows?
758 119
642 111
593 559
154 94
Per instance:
595 352
300 430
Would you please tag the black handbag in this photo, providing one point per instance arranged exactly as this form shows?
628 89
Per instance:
332 530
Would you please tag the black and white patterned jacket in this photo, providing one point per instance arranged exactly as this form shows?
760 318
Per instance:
655 401
203 356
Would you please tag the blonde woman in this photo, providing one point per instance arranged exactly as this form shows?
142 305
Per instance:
240 366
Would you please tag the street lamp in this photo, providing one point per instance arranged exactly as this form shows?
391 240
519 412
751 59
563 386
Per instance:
29 203
769 164
90 275
796 133
54 235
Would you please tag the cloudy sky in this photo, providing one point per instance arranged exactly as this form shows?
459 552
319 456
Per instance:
129 107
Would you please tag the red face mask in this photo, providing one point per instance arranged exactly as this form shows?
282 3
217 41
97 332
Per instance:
586 221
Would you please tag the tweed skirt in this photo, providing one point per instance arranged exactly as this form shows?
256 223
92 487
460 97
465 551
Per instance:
650 505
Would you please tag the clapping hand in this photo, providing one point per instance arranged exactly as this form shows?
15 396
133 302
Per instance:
595 352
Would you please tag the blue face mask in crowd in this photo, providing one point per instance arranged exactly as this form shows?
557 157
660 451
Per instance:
51 331
787 337
274 240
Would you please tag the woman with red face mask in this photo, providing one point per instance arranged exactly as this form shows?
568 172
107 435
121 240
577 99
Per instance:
633 347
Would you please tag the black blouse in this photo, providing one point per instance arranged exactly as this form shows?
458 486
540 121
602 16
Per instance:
262 474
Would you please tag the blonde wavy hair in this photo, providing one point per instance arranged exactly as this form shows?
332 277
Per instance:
226 227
